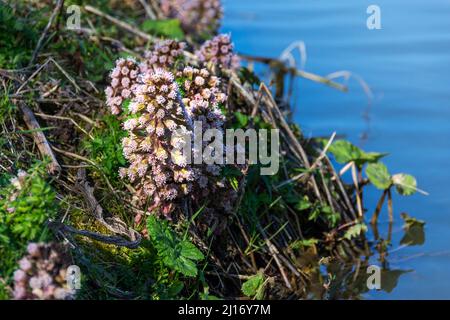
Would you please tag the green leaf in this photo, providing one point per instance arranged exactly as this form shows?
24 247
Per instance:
242 119
175 253
254 287
170 28
234 183
332 216
405 184
378 175
303 204
190 251
300 244
355 231
344 152
175 288
185 266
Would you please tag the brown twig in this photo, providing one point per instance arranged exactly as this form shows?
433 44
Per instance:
378 208
390 207
275 254
121 24
55 13
40 139
113 224
300 73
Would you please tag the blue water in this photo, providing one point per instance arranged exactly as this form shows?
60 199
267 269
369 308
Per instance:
407 66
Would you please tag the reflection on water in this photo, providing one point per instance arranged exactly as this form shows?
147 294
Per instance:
346 276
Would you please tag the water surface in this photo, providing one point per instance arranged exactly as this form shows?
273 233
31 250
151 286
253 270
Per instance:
407 65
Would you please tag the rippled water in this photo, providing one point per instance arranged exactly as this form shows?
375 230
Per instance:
407 65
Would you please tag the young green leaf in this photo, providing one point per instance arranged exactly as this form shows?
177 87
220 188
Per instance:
242 119
303 204
254 287
191 251
355 231
405 184
378 175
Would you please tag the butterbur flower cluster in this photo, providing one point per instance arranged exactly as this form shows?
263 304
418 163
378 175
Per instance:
163 55
159 122
159 174
196 16
219 51
123 81
202 98
42 273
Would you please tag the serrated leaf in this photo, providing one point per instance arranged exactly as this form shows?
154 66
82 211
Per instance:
373 156
314 214
190 251
378 175
187 267
207 296
355 231
405 184
254 287
175 253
